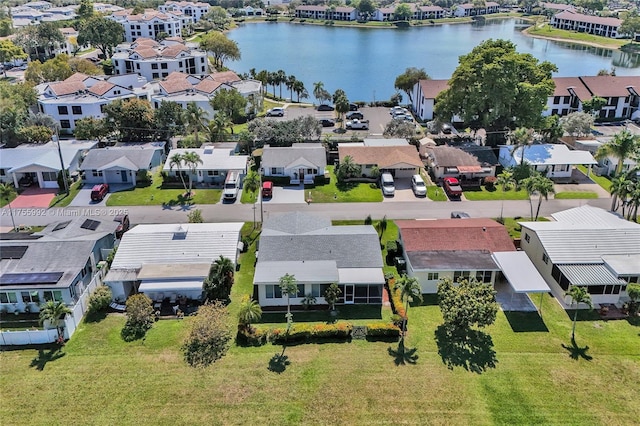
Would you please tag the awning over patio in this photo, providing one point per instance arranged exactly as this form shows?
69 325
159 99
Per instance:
520 272
168 286
469 169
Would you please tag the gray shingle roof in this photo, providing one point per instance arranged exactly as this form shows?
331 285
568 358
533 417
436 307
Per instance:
98 158
283 156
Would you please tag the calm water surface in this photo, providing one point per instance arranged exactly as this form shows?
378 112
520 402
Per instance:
365 62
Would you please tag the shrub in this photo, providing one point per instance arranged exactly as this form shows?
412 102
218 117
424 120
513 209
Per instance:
140 317
490 182
251 336
143 179
382 331
209 336
396 300
100 298
392 247
302 333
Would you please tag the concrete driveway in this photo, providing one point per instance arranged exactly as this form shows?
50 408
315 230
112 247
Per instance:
83 199
404 193
285 195
34 197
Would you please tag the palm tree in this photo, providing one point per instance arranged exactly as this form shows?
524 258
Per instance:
289 286
191 159
6 192
505 180
218 127
619 189
300 90
521 138
281 77
53 312
623 145
382 226
634 202
540 184
578 295
195 118
318 88
252 182
290 83
176 161
272 80
224 269
250 312
410 290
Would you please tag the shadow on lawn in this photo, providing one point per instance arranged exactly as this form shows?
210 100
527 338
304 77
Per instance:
576 352
43 358
279 362
402 355
526 322
469 349
95 316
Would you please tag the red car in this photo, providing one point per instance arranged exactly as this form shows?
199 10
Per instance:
98 192
452 187
267 189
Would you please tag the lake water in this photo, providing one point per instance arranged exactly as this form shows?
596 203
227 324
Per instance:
365 62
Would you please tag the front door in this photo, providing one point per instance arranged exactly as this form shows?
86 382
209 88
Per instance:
348 294
123 175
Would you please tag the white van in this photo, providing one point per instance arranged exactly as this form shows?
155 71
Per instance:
418 186
231 186
387 184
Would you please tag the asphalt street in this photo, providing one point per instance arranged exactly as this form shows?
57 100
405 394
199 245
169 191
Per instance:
338 211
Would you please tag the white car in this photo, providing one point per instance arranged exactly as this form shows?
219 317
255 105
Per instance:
401 111
418 186
275 112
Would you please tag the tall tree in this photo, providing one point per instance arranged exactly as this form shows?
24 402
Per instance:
55 69
209 335
402 12
176 161
410 291
191 159
195 119
577 123
409 78
521 138
220 47
320 92
85 10
624 145
290 83
10 51
231 103
630 25
466 304
102 33
218 127
281 78
541 185
168 120
594 105
89 128
132 118
510 89
52 312
289 286
342 106
578 295
300 90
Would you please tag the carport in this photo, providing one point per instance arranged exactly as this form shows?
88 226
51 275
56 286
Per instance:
523 278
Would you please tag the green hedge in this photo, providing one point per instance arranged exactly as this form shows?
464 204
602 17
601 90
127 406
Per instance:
382 331
302 333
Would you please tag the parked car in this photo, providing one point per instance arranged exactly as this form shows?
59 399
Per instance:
354 114
231 186
446 129
387 185
275 112
327 122
123 220
325 107
418 186
452 187
398 110
405 117
98 192
353 107
358 124
267 189
460 215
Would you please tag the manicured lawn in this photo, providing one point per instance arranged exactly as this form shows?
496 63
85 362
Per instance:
4 201
348 193
62 199
566 195
514 228
603 181
155 195
518 371
547 31
435 193
496 194
249 197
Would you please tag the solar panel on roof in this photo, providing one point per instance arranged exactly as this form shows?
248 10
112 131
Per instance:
12 252
30 278
62 225
90 224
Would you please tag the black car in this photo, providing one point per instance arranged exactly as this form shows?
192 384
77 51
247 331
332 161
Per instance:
353 107
355 114
327 122
323 107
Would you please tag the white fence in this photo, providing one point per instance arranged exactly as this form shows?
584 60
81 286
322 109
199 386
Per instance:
37 337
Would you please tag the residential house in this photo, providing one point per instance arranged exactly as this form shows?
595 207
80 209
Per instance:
597 25
317 254
402 161
552 160
339 13
170 260
301 162
587 247
621 93
150 24
452 248
195 10
607 165
81 96
464 162
470 9
154 60
217 162
56 263
41 164
121 164
383 14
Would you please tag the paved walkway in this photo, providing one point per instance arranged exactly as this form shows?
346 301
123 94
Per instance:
34 197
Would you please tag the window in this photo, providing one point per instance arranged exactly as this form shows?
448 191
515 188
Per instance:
49 176
273 292
545 258
155 76
432 276
30 297
55 295
202 60
460 275
63 110
527 238
65 124
8 297
76 109
154 66
96 173
483 276
164 66
316 290
556 100
164 74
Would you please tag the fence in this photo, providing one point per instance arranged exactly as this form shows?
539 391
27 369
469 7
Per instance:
71 321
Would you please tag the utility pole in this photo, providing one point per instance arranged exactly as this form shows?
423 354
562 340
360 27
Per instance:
261 170
62 168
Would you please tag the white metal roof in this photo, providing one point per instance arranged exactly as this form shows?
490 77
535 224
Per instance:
177 243
314 271
212 159
544 155
45 156
361 276
175 286
623 264
520 272
592 216
589 274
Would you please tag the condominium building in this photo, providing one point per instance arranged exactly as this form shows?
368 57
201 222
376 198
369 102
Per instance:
151 24
194 10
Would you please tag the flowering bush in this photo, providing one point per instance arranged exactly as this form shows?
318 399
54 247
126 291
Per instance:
382 330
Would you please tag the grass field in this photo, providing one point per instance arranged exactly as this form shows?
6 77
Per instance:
435 193
514 228
566 195
62 199
547 31
497 194
521 370
603 181
349 193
